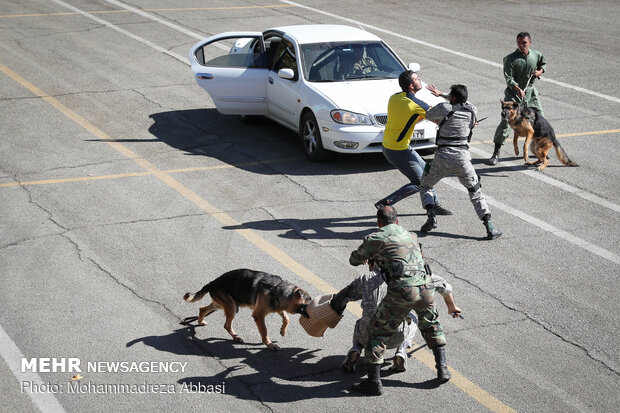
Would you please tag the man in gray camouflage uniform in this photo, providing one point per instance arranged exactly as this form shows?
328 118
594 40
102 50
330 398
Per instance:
456 119
370 288
397 255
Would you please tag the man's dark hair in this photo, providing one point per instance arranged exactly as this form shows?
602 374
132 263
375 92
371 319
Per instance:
524 35
404 80
387 215
459 92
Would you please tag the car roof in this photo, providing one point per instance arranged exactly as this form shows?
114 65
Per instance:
319 33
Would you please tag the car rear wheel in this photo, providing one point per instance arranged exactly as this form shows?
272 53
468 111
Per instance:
310 137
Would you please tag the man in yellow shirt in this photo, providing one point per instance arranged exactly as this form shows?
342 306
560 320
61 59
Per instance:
404 111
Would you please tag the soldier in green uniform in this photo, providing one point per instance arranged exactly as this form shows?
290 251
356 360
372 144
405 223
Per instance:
521 69
396 253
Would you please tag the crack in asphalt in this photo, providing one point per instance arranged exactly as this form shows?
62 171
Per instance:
26 37
95 92
151 100
83 257
542 324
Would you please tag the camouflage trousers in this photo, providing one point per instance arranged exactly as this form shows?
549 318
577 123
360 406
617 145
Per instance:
370 288
455 161
402 297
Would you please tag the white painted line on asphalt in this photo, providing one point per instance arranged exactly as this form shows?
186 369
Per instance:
157 19
123 31
447 50
551 181
601 252
45 401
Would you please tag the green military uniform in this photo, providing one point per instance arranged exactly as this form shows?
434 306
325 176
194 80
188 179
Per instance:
517 71
397 253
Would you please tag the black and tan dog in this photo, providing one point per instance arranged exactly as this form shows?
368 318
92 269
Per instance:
538 132
264 293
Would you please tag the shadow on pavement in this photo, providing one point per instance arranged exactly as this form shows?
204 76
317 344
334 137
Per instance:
262 146
317 228
287 375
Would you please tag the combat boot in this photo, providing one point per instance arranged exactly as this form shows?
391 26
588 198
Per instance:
495 157
382 203
431 222
399 364
492 233
372 385
443 375
348 365
442 210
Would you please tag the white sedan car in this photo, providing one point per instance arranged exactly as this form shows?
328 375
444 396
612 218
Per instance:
329 83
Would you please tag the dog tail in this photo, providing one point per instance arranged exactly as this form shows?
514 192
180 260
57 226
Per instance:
562 156
192 298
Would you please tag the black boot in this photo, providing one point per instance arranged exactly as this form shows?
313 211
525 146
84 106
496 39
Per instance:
442 210
340 301
382 203
372 385
431 222
495 157
492 233
443 375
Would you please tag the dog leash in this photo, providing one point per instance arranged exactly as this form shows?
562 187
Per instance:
526 86
188 320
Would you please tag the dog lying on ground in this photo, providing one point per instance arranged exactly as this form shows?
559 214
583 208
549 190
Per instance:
264 293
538 132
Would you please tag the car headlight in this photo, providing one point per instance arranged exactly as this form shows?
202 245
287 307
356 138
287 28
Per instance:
350 118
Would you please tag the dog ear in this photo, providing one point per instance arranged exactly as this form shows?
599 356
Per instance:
299 293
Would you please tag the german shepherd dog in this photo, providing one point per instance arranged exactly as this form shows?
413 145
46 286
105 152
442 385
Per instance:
538 132
264 293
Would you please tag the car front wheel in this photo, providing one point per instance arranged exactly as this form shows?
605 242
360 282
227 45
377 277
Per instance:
310 137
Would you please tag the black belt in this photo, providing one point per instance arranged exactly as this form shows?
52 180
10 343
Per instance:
443 145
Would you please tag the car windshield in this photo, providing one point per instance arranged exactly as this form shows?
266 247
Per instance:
338 62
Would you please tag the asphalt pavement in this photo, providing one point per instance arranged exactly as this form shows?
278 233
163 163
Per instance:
122 188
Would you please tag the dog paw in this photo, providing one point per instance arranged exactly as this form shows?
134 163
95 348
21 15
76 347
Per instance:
202 323
283 332
273 346
237 339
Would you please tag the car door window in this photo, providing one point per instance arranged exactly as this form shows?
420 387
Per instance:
285 57
242 52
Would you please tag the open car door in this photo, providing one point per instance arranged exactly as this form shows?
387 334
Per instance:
232 68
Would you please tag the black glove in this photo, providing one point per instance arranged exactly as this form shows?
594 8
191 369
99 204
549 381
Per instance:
340 301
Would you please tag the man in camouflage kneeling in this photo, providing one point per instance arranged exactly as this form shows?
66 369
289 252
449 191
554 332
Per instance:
397 254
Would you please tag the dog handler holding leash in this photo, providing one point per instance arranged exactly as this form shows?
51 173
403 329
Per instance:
521 68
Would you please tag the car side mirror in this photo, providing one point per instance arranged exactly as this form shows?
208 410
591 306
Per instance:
286 74
414 67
